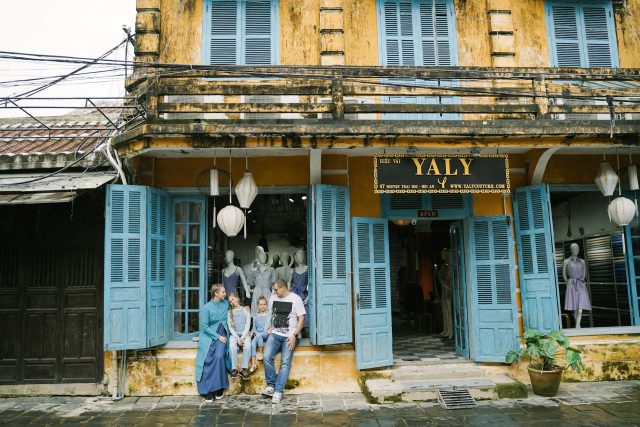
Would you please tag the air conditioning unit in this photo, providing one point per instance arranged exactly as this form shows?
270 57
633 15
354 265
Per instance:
349 100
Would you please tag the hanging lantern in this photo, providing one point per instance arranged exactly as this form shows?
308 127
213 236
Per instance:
230 220
606 180
214 187
622 210
401 222
632 170
246 190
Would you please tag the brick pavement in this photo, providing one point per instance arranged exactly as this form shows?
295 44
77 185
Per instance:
579 404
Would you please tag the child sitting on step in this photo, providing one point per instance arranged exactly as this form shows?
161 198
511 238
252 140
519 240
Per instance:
239 322
260 335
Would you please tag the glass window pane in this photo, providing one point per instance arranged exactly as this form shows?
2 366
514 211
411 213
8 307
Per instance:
180 256
179 322
194 255
194 212
179 279
194 304
193 322
194 278
181 234
194 234
179 300
182 212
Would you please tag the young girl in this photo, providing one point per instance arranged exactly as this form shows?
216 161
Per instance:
212 359
260 335
239 322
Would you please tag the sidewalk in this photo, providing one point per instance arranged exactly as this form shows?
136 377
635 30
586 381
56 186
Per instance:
578 404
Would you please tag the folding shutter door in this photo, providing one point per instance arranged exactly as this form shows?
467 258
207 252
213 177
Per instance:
332 278
125 273
370 242
494 311
632 244
158 293
538 281
311 263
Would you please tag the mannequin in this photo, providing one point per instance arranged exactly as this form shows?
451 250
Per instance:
444 279
300 280
275 261
251 268
263 278
284 272
232 274
577 296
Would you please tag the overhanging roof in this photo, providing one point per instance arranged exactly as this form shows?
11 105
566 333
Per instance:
61 182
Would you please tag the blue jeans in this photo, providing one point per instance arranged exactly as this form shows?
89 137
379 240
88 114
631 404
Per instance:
258 341
233 352
275 344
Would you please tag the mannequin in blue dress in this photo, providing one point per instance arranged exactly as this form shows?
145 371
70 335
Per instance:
232 274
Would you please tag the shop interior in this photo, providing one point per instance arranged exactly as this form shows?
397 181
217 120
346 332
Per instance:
581 218
417 271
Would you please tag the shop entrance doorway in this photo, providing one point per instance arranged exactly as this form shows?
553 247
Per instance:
429 292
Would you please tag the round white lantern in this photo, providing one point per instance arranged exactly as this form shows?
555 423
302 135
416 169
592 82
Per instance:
231 220
633 177
622 210
246 190
607 179
214 187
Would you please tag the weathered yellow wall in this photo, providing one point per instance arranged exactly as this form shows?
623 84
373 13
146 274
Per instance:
473 33
181 31
530 33
628 28
299 32
364 202
360 32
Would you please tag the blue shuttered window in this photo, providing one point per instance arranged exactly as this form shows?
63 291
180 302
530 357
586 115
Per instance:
494 313
538 281
418 33
581 33
331 263
311 299
136 279
370 242
240 32
632 243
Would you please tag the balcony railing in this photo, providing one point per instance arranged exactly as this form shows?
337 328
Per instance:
348 101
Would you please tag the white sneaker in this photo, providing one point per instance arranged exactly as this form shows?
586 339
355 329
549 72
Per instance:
268 392
277 397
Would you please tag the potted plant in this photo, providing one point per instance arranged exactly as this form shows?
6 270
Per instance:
541 350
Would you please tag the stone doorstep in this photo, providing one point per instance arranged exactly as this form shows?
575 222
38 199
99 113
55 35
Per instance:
481 388
435 372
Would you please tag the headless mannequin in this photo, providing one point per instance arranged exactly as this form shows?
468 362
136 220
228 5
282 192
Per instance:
444 278
251 268
263 278
578 305
284 272
275 261
232 268
301 268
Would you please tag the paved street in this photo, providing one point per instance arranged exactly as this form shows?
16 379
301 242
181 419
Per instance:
579 404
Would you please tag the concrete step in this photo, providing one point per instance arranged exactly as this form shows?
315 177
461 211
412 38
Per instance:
481 388
435 372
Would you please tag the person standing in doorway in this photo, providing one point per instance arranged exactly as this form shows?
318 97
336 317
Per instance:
287 319
212 359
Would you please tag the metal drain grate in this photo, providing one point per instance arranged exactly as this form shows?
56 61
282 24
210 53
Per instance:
455 398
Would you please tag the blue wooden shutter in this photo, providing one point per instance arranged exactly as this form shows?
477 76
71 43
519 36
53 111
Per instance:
158 292
370 242
632 246
538 281
581 34
124 269
222 25
259 23
332 278
311 262
495 314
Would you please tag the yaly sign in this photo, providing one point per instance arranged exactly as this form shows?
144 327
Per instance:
441 174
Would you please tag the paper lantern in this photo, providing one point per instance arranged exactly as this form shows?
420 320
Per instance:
622 210
246 190
214 187
231 220
606 180
633 177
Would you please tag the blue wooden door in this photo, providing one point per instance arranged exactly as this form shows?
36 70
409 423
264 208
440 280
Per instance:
311 298
494 313
332 266
632 246
124 269
459 288
158 283
372 287
538 281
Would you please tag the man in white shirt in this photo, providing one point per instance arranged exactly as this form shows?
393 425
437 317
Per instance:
287 319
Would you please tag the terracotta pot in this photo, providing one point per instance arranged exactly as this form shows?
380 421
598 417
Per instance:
545 383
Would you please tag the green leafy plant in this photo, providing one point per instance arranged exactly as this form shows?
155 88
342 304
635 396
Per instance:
541 350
